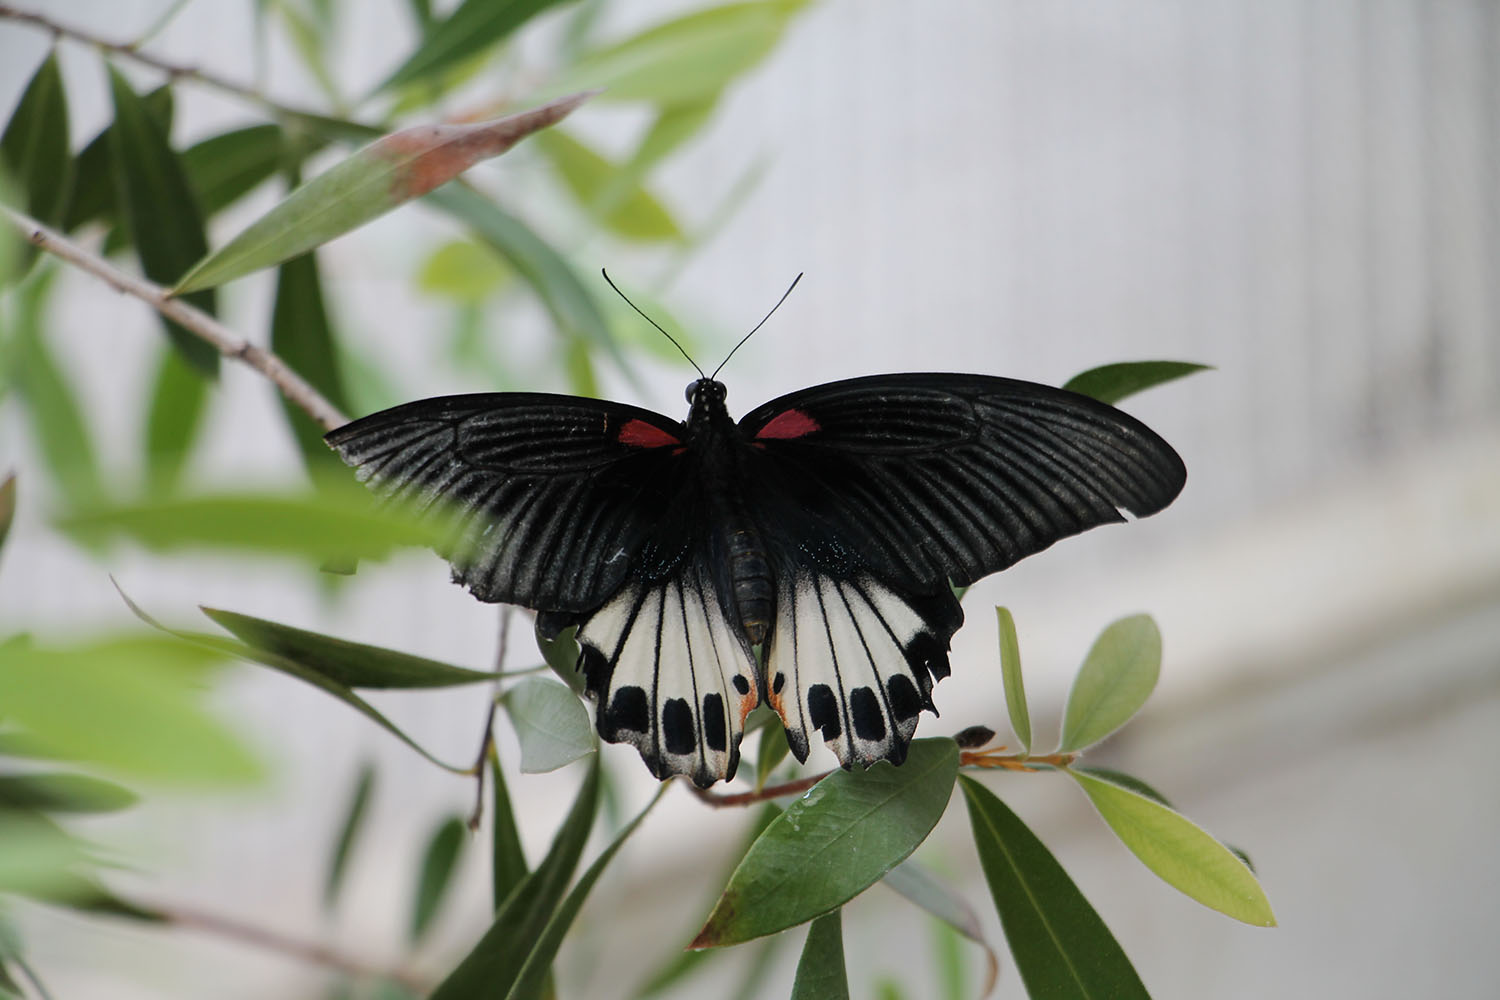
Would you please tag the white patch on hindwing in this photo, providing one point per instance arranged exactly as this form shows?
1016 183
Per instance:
662 662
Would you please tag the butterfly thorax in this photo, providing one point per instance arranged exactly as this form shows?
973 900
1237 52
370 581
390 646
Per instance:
739 550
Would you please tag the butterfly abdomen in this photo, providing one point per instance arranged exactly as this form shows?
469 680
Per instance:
754 590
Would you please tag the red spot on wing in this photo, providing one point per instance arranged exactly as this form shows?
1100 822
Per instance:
788 424
638 434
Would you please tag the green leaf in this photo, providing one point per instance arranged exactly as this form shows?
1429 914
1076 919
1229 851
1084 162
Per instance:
688 60
561 655
473 27
302 336
1116 678
464 271
389 172
1010 667
93 195
820 971
130 704
350 663
60 791
674 125
920 886
34 146
40 858
832 843
493 966
1112 383
601 187
57 421
508 860
178 402
573 309
551 724
349 829
224 168
1061 947
772 751
439 861
1179 851
159 208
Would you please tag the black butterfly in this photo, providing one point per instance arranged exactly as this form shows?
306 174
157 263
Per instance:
824 528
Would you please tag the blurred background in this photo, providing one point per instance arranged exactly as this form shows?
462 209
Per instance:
1302 195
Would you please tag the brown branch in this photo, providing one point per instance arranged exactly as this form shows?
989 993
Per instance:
212 923
294 387
721 801
488 739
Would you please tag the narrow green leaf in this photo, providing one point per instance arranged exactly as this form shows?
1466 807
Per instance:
40 858
473 27
1116 678
1179 851
465 271
530 983
159 209
63 792
494 965
94 189
551 723
34 146
177 402
1010 668
130 704
387 173
573 309
349 830
1112 383
675 124
772 750
224 168
56 419
439 861
508 860
350 663
1060 945
7 506
820 970
619 202
832 843
302 336
687 60
920 886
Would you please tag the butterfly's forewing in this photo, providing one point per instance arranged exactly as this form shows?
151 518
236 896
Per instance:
875 493
554 497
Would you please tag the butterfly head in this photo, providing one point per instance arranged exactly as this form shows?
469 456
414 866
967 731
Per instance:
705 396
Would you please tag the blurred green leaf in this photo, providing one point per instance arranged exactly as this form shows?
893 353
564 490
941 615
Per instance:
771 751
551 723
617 201
7 506
508 860
474 26
130 704
178 401
159 209
351 663
40 858
1116 678
674 125
920 886
531 981
820 970
349 830
439 861
464 271
94 190
494 965
1010 668
34 147
1060 945
57 420
1179 851
687 60
366 185
60 791
224 168
832 843
309 35
573 309
1112 383
302 336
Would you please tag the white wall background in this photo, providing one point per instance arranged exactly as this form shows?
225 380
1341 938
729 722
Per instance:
1301 194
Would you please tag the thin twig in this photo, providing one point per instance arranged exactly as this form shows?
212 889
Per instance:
213 923
720 801
294 387
177 71
488 739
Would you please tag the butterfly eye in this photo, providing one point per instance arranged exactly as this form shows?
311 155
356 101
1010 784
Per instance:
692 389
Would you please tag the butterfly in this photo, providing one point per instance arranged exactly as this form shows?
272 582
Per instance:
804 556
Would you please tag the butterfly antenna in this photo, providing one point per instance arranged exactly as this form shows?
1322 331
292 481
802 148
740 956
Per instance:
758 325
653 322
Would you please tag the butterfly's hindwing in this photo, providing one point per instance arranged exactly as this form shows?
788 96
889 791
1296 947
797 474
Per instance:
671 675
854 663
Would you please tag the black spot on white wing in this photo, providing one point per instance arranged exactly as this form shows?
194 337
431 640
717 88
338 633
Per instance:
670 676
854 664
